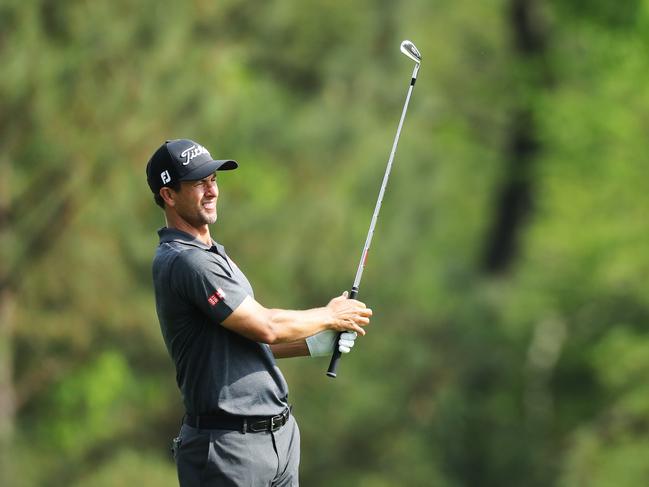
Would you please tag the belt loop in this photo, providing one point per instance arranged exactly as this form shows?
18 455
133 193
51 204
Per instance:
198 422
245 426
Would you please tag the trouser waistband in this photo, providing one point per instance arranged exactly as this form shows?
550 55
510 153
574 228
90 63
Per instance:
245 424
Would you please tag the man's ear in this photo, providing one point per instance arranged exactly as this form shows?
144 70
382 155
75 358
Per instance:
167 194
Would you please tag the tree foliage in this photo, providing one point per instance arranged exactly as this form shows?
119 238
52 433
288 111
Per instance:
509 339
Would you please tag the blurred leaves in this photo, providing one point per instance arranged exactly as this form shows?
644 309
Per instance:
86 402
529 377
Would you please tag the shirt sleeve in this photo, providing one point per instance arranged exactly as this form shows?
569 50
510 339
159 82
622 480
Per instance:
207 285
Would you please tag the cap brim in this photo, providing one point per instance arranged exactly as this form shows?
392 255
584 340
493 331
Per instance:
210 168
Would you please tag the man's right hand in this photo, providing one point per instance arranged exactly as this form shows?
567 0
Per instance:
348 314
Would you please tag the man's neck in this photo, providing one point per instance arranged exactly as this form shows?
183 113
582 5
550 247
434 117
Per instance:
202 233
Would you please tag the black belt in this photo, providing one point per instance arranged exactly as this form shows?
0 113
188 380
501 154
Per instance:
245 424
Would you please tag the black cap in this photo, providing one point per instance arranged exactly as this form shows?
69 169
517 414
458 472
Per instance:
182 160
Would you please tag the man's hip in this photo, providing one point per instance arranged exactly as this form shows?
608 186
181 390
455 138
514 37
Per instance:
259 454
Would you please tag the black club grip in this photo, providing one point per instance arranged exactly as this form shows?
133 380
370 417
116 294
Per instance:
335 356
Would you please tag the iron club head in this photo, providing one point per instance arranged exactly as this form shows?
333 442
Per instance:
409 49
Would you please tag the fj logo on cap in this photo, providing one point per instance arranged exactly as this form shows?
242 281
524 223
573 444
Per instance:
193 151
164 175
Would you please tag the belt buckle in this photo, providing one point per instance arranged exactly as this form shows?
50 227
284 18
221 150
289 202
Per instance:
271 424
275 425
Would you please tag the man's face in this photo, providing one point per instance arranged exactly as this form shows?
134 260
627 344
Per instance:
196 201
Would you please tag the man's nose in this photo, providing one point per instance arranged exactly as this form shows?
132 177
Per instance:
212 188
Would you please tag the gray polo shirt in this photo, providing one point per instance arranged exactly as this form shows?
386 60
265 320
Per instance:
196 288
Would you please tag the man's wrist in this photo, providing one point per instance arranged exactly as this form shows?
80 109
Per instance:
326 317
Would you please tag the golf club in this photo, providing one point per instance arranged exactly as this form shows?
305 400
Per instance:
409 49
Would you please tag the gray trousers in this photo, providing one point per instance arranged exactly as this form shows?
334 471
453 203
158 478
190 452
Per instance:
213 457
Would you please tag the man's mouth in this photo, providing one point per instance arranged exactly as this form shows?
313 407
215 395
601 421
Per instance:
209 205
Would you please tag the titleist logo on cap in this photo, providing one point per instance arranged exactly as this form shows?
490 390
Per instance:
193 151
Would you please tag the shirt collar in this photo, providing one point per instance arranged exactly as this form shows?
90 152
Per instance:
174 235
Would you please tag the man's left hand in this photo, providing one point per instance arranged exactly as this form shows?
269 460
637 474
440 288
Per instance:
322 343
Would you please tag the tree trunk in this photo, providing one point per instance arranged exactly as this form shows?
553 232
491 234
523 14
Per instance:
514 199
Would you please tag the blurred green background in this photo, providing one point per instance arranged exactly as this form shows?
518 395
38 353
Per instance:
509 274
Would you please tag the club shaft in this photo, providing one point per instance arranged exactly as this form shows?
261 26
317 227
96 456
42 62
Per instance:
335 358
386 176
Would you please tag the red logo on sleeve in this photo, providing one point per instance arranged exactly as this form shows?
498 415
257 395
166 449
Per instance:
218 295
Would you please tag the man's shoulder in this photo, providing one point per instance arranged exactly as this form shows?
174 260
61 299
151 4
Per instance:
172 251
175 263
166 252
174 254
185 258
192 256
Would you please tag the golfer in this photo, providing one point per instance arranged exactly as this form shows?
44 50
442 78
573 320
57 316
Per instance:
238 429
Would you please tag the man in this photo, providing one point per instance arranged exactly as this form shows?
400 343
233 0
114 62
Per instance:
238 429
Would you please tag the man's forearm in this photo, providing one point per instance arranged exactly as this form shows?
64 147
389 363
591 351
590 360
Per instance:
274 326
289 326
